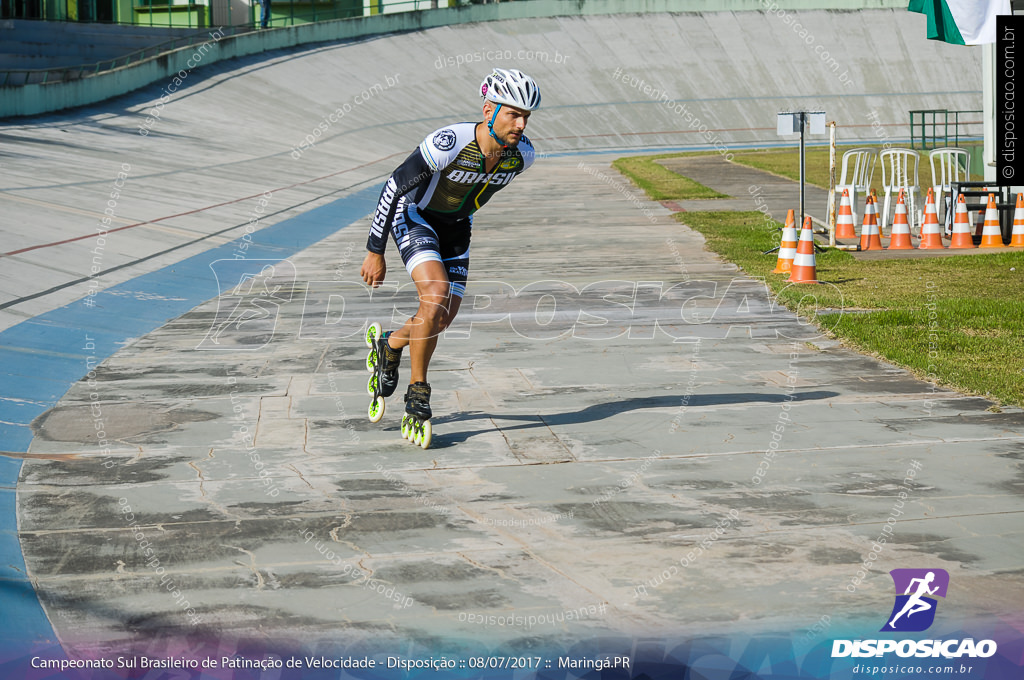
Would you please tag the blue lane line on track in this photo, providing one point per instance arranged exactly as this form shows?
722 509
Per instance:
41 358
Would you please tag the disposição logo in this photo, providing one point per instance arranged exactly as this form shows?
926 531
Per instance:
914 610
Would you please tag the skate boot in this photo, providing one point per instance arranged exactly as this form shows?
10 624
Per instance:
388 378
382 362
416 421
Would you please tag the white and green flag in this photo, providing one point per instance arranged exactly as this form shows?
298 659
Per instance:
961 22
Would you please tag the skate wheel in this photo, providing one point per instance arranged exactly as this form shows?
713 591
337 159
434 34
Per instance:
371 385
371 360
405 427
427 435
376 410
372 333
417 436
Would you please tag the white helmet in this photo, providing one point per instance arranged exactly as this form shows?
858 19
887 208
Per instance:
511 87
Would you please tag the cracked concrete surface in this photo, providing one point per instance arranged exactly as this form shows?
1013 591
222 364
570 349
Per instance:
599 413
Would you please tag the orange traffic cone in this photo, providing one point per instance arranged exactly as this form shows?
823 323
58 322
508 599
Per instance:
787 247
869 238
931 235
804 269
961 226
992 237
1017 237
899 237
874 202
844 221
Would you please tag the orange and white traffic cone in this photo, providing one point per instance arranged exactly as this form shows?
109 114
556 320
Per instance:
899 237
874 203
931 234
804 269
962 226
845 227
992 236
869 237
1017 237
787 247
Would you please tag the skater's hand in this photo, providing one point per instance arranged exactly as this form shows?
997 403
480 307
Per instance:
373 270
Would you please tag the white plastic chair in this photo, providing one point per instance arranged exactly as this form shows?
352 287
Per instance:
899 171
858 171
954 164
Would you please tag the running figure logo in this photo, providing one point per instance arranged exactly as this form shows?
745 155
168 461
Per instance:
914 611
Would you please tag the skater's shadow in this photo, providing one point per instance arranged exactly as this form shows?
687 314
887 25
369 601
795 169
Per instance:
596 412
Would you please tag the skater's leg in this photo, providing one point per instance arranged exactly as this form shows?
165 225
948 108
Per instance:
437 309
430 334
439 269
400 339
431 288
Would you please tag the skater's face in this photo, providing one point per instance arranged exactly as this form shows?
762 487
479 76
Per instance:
509 123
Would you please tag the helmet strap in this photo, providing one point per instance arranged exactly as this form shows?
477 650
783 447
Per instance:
490 126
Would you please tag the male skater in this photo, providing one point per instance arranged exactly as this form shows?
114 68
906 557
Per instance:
428 204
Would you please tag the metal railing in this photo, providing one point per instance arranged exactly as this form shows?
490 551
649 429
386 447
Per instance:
321 10
932 128
105 11
331 8
19 77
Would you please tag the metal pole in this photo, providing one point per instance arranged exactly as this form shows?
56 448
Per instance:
832 184
801 225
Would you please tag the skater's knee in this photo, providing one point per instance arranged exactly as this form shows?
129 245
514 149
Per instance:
432 316
434 306
433 291
447 318
434 299
431 312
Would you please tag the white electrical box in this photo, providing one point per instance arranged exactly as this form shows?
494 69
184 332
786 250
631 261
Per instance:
817 121
789 123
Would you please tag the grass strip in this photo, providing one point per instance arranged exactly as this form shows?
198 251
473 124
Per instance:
956 320
660 183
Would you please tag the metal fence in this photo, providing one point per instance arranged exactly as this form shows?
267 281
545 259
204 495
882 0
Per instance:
18 77
107 11
933 128
162 14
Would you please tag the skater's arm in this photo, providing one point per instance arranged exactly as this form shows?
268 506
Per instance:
404 179
374 268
